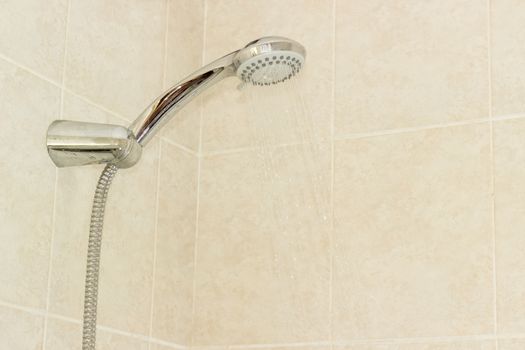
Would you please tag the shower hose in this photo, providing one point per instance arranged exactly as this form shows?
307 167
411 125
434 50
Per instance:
89 324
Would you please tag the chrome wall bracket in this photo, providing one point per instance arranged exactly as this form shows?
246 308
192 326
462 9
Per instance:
71 143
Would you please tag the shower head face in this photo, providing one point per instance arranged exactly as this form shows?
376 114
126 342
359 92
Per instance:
269 60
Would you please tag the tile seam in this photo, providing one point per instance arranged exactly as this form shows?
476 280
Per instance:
492 174
155 241
407 340
332 175
157 187
199 167
55 193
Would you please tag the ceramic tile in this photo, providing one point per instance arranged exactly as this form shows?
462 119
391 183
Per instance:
262 267
413 239
410 63
20 330
172 311
28 185
33 34
63 335
115 52
509 206
508 57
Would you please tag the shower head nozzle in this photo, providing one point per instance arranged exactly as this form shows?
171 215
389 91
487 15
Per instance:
269 60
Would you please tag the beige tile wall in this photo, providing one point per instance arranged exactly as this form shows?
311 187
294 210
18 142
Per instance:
103 62
374 203
413 244
262 264
411 63
508 57
508 146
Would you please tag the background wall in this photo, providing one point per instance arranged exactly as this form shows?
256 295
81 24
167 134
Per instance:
374 203
96 61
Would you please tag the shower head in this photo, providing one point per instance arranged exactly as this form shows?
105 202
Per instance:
265 61
269 60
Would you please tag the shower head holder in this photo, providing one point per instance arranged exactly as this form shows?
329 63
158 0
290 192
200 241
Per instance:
71 143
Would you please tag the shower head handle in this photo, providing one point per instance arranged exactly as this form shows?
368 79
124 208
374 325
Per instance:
163 108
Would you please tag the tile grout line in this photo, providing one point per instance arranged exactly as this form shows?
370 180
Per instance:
508 117
155 240
180 147
371 134
372 341
332 180
195 244
166 39
97 105
54 214
422 340
64 318
255 148
167 344
157 189
492 175
199 165
29 70
43 313
50 263
411 129
112 330
29 310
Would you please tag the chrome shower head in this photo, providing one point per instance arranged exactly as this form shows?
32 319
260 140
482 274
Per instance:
265 61
269 60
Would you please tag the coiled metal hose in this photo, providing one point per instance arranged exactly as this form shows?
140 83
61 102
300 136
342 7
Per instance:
89 324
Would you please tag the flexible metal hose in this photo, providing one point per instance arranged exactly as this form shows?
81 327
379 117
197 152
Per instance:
89 325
